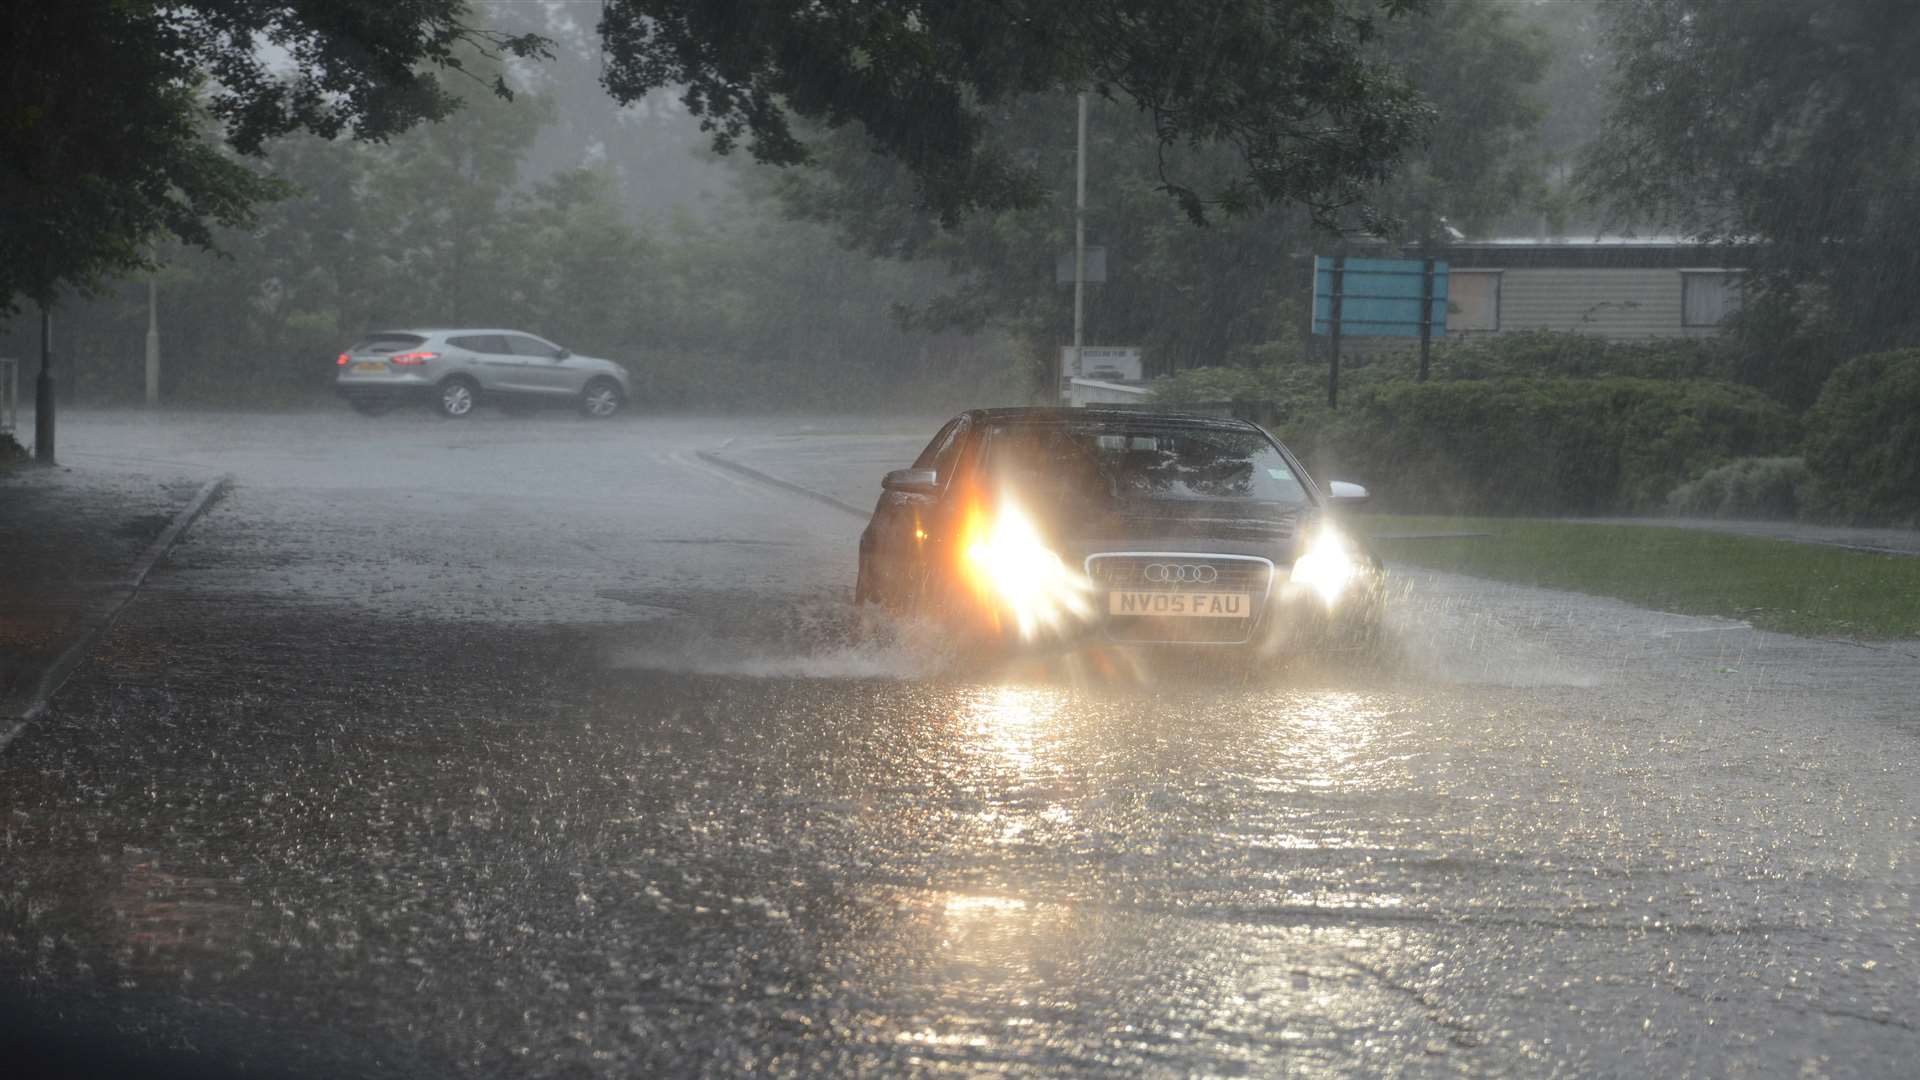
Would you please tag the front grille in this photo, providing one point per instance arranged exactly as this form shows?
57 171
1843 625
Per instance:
1130 572
1252 576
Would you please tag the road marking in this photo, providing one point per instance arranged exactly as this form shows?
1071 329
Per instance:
704 469
784 485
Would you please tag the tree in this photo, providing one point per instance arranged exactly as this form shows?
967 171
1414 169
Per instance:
1224 294
104 145
1572 97
458 220
1790 128
1287 85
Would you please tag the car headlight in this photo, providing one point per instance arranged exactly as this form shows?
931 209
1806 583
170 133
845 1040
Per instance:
1328 566
1011 563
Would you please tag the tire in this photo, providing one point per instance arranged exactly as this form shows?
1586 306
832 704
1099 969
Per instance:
371 406
456 398
601 400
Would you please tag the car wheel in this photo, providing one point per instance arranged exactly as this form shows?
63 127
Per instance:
371 406
457 398
601 399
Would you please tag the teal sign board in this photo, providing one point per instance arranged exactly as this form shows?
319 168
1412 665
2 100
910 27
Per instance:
1378 297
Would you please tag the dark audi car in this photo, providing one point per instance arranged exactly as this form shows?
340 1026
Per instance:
1130 527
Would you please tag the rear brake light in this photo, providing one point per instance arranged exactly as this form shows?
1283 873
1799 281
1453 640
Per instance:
412 358
342 361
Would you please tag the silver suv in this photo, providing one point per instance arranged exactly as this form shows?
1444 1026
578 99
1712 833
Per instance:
454 370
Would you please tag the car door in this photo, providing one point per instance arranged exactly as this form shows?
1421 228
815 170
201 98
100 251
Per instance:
491 361
543 366
909 526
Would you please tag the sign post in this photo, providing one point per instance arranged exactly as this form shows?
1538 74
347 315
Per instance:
1377 298
1426 317
1121 363
1333 364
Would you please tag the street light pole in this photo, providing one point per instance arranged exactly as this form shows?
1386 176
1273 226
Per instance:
43 392
1079 237
153 345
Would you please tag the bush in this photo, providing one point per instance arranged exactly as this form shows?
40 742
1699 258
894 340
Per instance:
707 381
1292 383
1757 487
1863 440
1540 446
1549 354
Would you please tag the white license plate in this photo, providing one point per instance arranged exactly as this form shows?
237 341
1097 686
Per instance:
370 365
1202 605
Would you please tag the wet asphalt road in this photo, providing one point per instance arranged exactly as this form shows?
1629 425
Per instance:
539 748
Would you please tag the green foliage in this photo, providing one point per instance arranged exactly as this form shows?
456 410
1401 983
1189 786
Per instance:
1190 297
103 138
1572 101
1207 385
1290 90
439 226
1746 488
1863 440
95 165
1547 354
1791 128
1511 446
1286 383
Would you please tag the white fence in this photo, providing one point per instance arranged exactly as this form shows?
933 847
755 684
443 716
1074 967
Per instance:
9 394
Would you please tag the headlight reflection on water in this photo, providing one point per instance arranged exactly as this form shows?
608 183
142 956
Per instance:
1012 723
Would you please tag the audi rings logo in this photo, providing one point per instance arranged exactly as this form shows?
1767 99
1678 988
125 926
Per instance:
1161 573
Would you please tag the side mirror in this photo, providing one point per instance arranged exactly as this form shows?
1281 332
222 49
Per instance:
911 481
563 354
1347 494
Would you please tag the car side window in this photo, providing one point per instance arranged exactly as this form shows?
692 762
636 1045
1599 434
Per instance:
481 343
945 462
941 438
522 345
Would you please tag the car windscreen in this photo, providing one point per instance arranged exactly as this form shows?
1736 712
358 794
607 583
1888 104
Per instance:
388 343
1153 461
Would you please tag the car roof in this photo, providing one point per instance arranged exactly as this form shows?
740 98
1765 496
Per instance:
1045 414
450 330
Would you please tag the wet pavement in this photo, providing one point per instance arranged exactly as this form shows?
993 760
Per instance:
533 747
68 541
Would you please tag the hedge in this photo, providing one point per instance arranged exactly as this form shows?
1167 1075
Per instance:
1863 440
1530 355
1539 446
1750 488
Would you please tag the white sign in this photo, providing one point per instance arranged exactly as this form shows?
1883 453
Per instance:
1113 363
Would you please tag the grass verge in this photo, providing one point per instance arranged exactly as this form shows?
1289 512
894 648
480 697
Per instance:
1804 589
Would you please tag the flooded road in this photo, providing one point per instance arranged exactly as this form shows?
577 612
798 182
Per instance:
531 747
